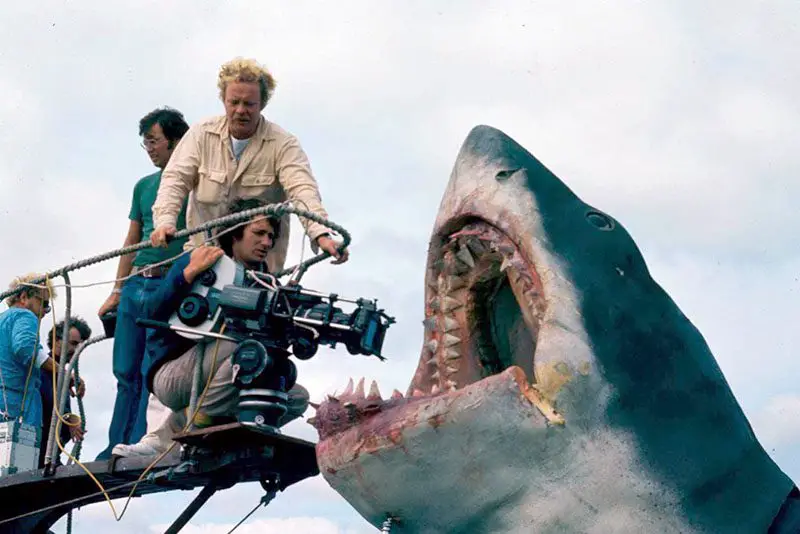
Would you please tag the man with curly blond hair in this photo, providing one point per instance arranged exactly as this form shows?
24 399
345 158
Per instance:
240 154
21 353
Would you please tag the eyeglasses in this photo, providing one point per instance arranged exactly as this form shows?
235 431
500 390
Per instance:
147 143
45 304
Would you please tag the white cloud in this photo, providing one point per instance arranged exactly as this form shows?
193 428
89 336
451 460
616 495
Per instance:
676 120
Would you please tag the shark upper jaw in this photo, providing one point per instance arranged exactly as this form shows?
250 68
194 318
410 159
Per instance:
482 254
485 250
469 269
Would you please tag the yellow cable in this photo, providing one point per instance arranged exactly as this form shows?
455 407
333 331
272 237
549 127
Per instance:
185 428
61 419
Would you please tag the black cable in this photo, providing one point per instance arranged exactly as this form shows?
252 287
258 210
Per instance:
71 501
245 518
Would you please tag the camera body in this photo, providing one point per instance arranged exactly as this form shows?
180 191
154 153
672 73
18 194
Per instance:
290 317
271 323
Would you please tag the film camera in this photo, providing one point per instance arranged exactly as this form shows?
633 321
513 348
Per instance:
270 323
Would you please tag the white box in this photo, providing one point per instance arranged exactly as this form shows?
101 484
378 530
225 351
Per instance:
19 447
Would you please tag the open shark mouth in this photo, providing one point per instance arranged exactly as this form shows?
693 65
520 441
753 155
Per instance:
476 276
558 389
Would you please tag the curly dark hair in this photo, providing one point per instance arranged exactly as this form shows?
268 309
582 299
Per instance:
76 322
241 204
171 121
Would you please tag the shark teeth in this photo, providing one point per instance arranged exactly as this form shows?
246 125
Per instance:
476 246
454 283
452 354
450 304
450 340
349 389
359 393
449 324
432 345
374 392
465 257
353 398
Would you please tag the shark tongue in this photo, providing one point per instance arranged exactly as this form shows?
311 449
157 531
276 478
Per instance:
389 451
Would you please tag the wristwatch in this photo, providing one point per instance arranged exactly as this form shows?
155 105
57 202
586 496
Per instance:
116 291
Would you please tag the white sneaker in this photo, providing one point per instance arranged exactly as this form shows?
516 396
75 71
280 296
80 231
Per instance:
137 449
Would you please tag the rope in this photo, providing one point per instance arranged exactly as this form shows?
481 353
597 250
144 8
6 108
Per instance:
276 210
76 449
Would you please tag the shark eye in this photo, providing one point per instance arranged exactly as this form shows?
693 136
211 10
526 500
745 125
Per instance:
504 175
600 221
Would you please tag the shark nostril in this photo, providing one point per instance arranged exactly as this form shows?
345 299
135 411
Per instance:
600 221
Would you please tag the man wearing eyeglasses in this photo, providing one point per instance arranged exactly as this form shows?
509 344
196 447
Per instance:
139 276
21 354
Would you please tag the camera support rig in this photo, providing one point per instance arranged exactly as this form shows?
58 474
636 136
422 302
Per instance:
270 323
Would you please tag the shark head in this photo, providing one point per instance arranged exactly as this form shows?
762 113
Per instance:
559 388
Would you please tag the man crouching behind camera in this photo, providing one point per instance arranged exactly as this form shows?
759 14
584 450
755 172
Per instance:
173 357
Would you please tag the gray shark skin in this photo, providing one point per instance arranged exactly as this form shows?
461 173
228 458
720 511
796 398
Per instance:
559 388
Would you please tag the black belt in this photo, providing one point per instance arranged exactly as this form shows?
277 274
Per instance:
146 271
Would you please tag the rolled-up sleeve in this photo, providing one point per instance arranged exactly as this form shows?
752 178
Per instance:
178 179
294 173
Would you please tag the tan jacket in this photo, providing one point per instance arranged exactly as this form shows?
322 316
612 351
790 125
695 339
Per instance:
272 167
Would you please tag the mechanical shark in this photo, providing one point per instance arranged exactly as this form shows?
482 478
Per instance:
559 389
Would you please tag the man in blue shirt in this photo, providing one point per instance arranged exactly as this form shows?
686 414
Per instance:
161 129
21 354
173 357
79 332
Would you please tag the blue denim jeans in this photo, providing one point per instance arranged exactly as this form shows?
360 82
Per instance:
130 364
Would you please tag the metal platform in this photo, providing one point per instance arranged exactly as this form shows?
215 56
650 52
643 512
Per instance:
214 458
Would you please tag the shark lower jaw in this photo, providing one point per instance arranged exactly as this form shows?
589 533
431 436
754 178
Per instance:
431 444
476 273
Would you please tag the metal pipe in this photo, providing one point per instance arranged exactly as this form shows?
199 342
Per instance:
317 322
192 509
312 293
277 210
60 400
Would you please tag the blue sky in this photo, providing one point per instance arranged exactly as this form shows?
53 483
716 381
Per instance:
677 119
